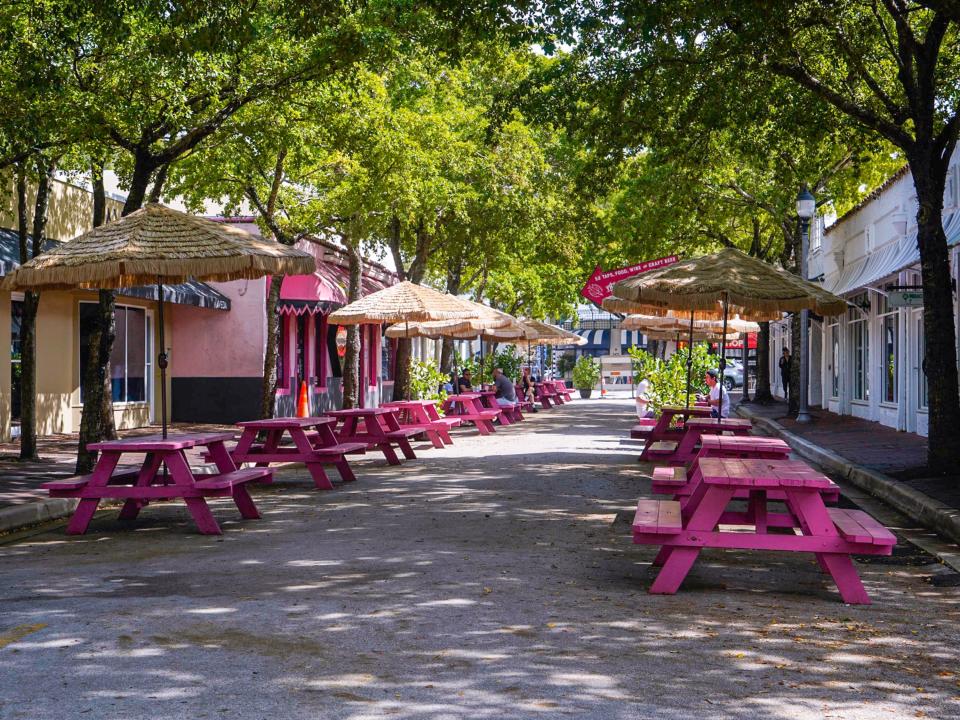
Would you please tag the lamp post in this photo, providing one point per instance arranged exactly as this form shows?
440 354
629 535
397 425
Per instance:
806 208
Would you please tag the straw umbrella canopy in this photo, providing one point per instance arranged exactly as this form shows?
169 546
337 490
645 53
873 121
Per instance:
742 284
403 302
157 245
622 306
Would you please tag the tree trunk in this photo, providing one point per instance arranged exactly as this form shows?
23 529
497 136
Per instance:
31 302
793 406
351 358
96 417
761 393
454 282
268 391
943 451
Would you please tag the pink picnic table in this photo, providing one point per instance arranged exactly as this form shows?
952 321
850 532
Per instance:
560 387
558 396
832 534
507 414
469 408
545 393
314 445
664 429
138 487
380 430
684 449
423 414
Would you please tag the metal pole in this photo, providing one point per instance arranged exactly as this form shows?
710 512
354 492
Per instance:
746 367
689 359
803 414
162 362
723 358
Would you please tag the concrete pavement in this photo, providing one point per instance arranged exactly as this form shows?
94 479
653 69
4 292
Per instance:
485 580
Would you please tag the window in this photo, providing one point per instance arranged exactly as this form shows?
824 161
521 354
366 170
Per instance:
320 348
922 397
129 361
816 234
950 193
282 361
386 357
835 360
860 347
889 329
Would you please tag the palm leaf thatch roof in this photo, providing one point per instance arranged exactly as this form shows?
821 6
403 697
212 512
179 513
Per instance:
401 303
485 318
744 283
158 244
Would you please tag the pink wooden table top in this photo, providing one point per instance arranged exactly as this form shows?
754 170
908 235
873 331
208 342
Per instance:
463 396
725 423
681 410
743 442
360 412
751 473
151 443
286 422
409 403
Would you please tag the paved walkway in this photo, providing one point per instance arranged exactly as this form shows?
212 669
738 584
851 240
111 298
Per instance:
485 581
870 444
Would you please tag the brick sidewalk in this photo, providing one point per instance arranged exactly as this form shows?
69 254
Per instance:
20 481
870 444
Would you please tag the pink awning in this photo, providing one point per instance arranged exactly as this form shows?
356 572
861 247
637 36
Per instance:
321 291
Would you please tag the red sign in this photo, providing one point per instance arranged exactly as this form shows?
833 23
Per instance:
738 344
341 340
600 282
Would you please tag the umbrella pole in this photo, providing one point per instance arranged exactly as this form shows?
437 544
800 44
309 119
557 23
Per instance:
409 340
162 362
689 359
723 357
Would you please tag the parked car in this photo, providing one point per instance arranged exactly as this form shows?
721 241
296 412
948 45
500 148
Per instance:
733 374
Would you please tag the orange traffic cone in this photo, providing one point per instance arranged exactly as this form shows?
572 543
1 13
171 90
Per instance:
303 403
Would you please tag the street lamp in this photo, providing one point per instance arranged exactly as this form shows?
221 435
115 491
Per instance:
806 208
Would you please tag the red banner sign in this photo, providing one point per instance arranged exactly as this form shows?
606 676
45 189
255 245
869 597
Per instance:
600 282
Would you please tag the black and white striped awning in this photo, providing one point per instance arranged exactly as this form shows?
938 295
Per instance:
600 339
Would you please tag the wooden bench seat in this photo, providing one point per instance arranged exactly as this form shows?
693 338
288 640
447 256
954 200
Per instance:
857 526
70 485
657 517
668 479
662 447
482 419
221 482
641 430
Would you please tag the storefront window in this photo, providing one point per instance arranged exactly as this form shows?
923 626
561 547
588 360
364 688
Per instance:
835 360
386 358
129 358
860 347
922 358
890 334
282 337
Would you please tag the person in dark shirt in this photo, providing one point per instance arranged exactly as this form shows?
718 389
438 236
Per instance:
464 384
785 363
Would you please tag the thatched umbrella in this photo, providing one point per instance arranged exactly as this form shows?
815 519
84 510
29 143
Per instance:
157 245
740 283
403 302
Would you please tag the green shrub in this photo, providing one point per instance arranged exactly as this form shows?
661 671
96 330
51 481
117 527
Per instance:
586 373
426 381
668 379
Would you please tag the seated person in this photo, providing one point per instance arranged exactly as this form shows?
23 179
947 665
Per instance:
464 384
643 400
505 392
716 409
528 385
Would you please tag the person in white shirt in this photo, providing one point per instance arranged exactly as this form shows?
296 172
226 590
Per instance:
714 397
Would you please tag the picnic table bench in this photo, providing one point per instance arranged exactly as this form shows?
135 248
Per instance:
522 401
468 408
560 386
684 448
314 445
833 535
139 487
508 414
381 430
546 395
662 430
423 414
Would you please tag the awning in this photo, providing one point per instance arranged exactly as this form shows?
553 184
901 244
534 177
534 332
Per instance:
600 339
890 259
193 293
322 291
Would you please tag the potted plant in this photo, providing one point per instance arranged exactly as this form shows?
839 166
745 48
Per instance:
586 374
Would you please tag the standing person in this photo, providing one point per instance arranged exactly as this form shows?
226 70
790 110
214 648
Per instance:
785 361
716 409
505 392
528 385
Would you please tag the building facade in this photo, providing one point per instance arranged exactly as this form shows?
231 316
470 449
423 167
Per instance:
869 362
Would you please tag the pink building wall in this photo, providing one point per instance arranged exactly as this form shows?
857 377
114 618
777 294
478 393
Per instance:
215 343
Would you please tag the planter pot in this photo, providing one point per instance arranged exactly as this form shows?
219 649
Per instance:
585 393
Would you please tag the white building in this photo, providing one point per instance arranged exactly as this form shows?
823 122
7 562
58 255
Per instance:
869 363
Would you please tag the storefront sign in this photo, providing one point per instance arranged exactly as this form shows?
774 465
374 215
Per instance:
905 298
341 341
600 282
